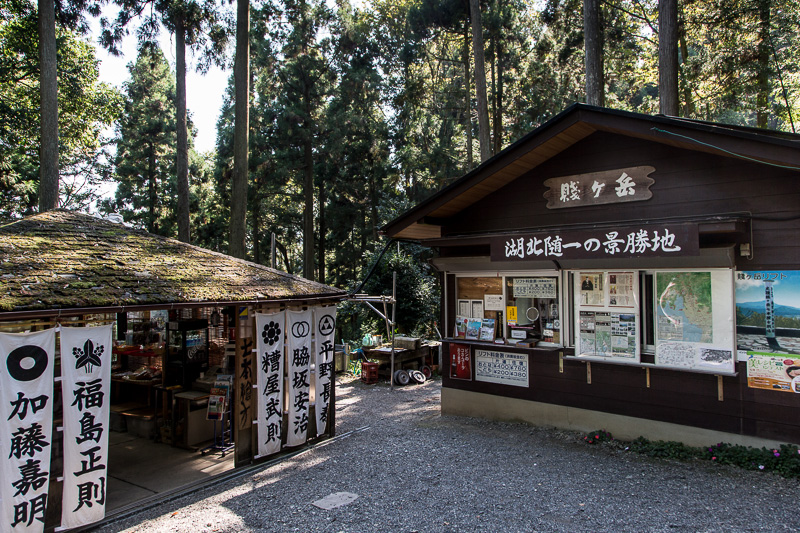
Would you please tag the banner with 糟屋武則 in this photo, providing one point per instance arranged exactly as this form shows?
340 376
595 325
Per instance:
269 368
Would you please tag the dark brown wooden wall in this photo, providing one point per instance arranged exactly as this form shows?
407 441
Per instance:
676 397
687 183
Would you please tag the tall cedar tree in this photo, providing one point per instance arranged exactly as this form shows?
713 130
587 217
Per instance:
668 57
85 107
355 150
146 138
239 184
305 79
194 24
69 15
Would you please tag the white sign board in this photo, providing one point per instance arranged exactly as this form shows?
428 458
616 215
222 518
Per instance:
493 302
534 287
501 367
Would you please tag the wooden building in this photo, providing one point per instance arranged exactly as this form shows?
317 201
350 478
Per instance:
599 273
181 316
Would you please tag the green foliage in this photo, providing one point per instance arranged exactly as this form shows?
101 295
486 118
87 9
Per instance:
597 437
417 294
784 460
146 151
664 449
86 107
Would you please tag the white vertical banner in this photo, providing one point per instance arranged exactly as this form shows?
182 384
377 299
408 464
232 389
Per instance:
85 391
26 428
325 320
299 357
270 329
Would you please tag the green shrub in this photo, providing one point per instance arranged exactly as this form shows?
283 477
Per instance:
784 460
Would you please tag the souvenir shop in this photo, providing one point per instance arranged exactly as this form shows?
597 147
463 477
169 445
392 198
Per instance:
619 271
135 366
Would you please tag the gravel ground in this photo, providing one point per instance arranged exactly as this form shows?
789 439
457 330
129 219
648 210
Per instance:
415 470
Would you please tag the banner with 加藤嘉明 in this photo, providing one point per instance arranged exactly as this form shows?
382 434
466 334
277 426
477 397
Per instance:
298 342
26 426
325 320
85 389
269 369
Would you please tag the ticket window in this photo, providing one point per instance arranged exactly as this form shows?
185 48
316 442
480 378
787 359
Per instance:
532 309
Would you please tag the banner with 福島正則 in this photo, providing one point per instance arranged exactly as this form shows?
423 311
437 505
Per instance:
299 331
269 368
325 320
85 388
26 426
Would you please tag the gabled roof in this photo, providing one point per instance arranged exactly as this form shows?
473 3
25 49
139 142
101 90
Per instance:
573 125
62 260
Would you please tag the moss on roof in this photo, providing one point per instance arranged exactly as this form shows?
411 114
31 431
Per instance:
62 259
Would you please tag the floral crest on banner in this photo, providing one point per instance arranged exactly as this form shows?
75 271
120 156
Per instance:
86 380
270 330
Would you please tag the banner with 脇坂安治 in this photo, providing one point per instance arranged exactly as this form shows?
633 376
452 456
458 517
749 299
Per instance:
299 362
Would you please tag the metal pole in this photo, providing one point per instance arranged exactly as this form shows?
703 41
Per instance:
394 310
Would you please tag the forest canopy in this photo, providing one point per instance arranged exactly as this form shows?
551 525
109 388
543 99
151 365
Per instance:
358 111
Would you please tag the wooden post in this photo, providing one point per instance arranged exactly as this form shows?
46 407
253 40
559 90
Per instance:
243 389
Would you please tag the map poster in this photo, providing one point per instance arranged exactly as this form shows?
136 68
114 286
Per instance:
773 371
586 333
591 288
684 307
768 311
602 334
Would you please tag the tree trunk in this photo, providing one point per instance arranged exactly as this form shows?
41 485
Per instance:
322 230
48 90
182 133
467 96
308 207
668 57
593 44
688 100
498 115
762 79
151 183
493 85
480 80
241 80
373 209
255 217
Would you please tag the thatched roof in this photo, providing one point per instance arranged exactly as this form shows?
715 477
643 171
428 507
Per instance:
61 260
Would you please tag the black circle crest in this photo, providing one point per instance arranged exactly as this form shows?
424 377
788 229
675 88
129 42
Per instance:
15 358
